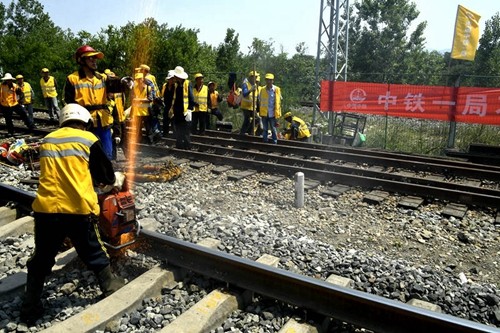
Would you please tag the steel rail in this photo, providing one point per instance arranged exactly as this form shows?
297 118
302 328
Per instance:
491 198
359 151
399 161
358 308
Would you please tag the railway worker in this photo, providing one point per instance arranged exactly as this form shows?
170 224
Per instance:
200 111
87 87
10 94
157 104
72 160
269 107
296 128
49 89
142 97
29 95
182 106
214 98
119 98
167 94
249 89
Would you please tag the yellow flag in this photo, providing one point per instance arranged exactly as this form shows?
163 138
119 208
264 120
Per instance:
466 36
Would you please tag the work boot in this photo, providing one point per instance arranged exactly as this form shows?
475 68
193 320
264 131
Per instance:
109 282
32 307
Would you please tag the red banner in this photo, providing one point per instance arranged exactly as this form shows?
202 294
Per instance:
463 104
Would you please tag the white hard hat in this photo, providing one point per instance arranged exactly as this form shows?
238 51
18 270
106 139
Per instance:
74 111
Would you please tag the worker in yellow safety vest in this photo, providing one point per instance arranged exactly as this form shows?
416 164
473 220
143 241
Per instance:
10 94
200 111
87 87
29 95
71 162
49 90
269 104
296 128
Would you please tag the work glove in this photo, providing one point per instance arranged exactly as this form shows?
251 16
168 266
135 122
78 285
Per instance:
118 140
188 115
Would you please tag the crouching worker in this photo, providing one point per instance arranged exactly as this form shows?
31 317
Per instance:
72 161
296 128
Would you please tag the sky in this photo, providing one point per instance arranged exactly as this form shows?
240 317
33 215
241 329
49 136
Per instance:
286 23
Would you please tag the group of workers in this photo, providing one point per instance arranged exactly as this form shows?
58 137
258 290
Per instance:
76 158
261 107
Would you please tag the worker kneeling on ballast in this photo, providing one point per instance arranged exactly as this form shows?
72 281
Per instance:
296 129
72 160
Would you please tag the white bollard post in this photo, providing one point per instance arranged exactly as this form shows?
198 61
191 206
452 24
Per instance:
299 189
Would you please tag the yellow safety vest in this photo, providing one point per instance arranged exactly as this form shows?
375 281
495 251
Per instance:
27 93
264 101
8 96
140 103
91 94
201 97
65 181
49 87
120 106
247 102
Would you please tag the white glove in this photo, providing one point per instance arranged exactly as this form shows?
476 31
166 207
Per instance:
188 115
119 180
118 140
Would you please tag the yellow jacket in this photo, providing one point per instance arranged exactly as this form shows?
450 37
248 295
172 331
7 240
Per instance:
91 94
8 96
65 180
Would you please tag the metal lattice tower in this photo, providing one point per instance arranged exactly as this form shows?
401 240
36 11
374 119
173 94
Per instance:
333 42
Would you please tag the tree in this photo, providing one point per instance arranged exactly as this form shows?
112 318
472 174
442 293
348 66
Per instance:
29 40
228 53
378 39
487 60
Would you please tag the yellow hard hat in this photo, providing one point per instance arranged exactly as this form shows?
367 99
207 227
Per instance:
253 73
138 76
145 67
269 76
19 76
45 70
288 114
197 75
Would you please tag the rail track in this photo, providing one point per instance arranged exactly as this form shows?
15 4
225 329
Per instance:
451 180
241 278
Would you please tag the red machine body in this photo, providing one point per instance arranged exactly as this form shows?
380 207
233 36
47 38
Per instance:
117 218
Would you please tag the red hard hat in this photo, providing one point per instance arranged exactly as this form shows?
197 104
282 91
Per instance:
87 51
